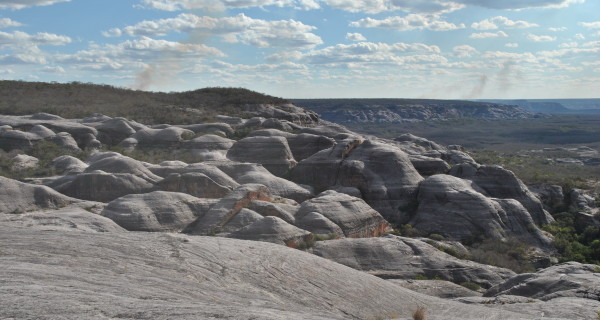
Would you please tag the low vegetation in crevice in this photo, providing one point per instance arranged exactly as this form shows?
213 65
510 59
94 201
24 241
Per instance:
575 241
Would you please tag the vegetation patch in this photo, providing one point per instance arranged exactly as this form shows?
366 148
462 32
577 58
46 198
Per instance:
575 241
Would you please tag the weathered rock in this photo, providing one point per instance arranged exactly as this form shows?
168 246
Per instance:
65 141
16 139
208 147
500 183
156 211
242 219
221 213
165 169
285 212
551 195
272 123
458 157
45 116
286 111
77 130
392 257
317 223
101 186
168 276
23 162
68 164
272 229
333 131
42 131
351 191
354 217
302 145
194 183
234 121
582 201
436 288
272 152
114 130
221 129
383 174
245 173
70 218
161 137
117 163
427 144
451 207
570 279
427 166
18 197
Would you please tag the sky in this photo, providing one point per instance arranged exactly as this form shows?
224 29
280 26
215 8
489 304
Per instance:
442 49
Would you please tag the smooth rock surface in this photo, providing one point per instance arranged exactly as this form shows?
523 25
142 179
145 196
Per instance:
272 152
19 197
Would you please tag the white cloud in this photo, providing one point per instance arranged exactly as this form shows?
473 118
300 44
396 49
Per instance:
240 28
410 22
512 45
543 38
129 54
377 6
7 22
6 71
591 63
495 22
568 45
464 51
285 56
519 4
558 29
483 35
368 52
355 37
53 69
220 5
23 48
591 25
20 4
579 36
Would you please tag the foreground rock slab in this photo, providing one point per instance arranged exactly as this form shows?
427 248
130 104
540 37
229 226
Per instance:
85 275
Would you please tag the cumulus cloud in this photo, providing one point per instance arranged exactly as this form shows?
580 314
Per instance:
7 22
368 52
377 6
512 45
240 28
53 69
558 29
519 4
355 37
579 36
21 4
127 54
483 35
590 25
543 38
410 22
495 22
464 51
23 48
220 5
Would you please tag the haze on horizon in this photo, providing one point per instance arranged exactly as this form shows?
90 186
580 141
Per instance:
445 49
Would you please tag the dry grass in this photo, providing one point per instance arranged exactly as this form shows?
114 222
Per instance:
420 313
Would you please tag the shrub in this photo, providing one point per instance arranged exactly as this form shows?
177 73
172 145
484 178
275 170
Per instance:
471 286
436 237
420 313
511 254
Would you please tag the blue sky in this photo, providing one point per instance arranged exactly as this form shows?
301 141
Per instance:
448 49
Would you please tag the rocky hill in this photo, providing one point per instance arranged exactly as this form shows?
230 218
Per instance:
408 110
273 215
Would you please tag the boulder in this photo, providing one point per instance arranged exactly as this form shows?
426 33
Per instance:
551 196
302 145
500 183
208 147
384 175
156 211
242 219
457 157
165 169
452 207
570 279
559 308
272 152
42 131
221 213
168 136
427 144
19 197
317 223
117 163
354 217
245 173
65 141
275 230
194 183
287 111
582 201
70 218
16 139
68 164
220 129
392 257
22 162
427 166
101 186
114 130
285 212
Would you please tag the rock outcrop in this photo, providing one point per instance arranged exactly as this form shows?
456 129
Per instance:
156 211
384 175
456 209
19 197
392 257
272 152
273 229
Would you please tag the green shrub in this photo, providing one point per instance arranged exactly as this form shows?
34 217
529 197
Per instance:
421 277
471 286
511 254
436 237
